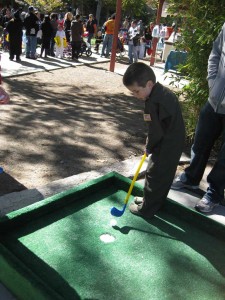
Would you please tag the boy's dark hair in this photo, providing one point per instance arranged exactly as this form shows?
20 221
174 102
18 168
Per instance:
139 73
77 17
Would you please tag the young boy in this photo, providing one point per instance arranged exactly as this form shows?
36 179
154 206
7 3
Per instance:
165 140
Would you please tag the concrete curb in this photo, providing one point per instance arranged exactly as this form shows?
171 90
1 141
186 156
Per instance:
17 200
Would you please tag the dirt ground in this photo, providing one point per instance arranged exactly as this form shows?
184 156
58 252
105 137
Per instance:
65 122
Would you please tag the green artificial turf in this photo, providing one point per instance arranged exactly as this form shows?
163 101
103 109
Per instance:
162 258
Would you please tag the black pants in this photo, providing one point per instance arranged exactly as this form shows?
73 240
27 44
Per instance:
15 49
76 48
160 174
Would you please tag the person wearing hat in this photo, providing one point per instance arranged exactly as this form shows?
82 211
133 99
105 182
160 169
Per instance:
31 24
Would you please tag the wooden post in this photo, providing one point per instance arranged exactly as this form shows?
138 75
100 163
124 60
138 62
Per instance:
115 35
155 40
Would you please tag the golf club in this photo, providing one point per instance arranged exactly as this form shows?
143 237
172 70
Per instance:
118 213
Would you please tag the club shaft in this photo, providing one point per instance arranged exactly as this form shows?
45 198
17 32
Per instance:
134 179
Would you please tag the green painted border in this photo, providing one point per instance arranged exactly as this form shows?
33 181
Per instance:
24 283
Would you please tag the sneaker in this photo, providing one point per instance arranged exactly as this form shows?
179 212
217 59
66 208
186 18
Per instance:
205 205
138 200
135 209
179 184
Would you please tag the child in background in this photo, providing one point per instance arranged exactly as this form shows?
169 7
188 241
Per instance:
60 39
98 41
165 140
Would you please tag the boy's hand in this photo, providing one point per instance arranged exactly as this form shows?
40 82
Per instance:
147 152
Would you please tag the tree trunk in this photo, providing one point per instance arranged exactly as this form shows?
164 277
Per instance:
98 11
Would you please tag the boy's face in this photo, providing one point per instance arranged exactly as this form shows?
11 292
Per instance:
140 92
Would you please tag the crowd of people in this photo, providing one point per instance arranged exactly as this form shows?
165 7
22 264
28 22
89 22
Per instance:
54 32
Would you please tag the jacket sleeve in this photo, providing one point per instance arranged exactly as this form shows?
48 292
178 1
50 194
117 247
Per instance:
215 55
155 130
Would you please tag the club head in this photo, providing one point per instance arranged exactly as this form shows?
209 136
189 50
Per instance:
116 212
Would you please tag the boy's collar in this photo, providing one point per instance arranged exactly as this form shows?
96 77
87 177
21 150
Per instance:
153 88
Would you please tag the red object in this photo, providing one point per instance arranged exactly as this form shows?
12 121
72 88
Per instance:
149 51
115 35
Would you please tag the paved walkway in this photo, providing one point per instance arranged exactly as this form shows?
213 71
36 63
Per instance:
29 66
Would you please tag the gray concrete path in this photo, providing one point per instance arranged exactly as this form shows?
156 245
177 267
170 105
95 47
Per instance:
29 66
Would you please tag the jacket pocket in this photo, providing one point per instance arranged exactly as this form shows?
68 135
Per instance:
216 91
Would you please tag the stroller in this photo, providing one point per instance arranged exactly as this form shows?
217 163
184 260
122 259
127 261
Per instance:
120 51
85 48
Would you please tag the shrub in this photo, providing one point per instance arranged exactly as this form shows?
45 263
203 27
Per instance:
200 22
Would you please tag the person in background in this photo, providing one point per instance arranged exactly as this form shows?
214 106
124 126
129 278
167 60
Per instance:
133 42
15 29
108 37
148 40
210 126
77 32
54 24
31 24
47 30
91 28
98 41
126 24
6 17
67 25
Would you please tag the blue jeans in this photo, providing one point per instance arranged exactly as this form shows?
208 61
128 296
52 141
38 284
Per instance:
210 127
132 53
31 45
107 44
90 36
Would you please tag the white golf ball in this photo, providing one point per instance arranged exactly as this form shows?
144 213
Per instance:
113 222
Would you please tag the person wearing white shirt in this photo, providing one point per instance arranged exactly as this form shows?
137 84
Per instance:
133 41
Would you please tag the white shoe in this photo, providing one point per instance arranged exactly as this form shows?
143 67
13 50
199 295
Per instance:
205 205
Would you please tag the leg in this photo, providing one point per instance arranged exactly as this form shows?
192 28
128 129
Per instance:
42 50
33 46
130 53
135 53
77 49
61 52
73 49
52 45
109 44
57 51
18 50
90 36
11 51
208 130
104 44
159 176
216 177
28 46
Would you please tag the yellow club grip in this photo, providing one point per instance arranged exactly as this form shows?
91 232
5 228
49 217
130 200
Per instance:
134 179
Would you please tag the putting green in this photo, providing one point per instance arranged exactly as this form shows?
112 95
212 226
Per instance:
65 247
